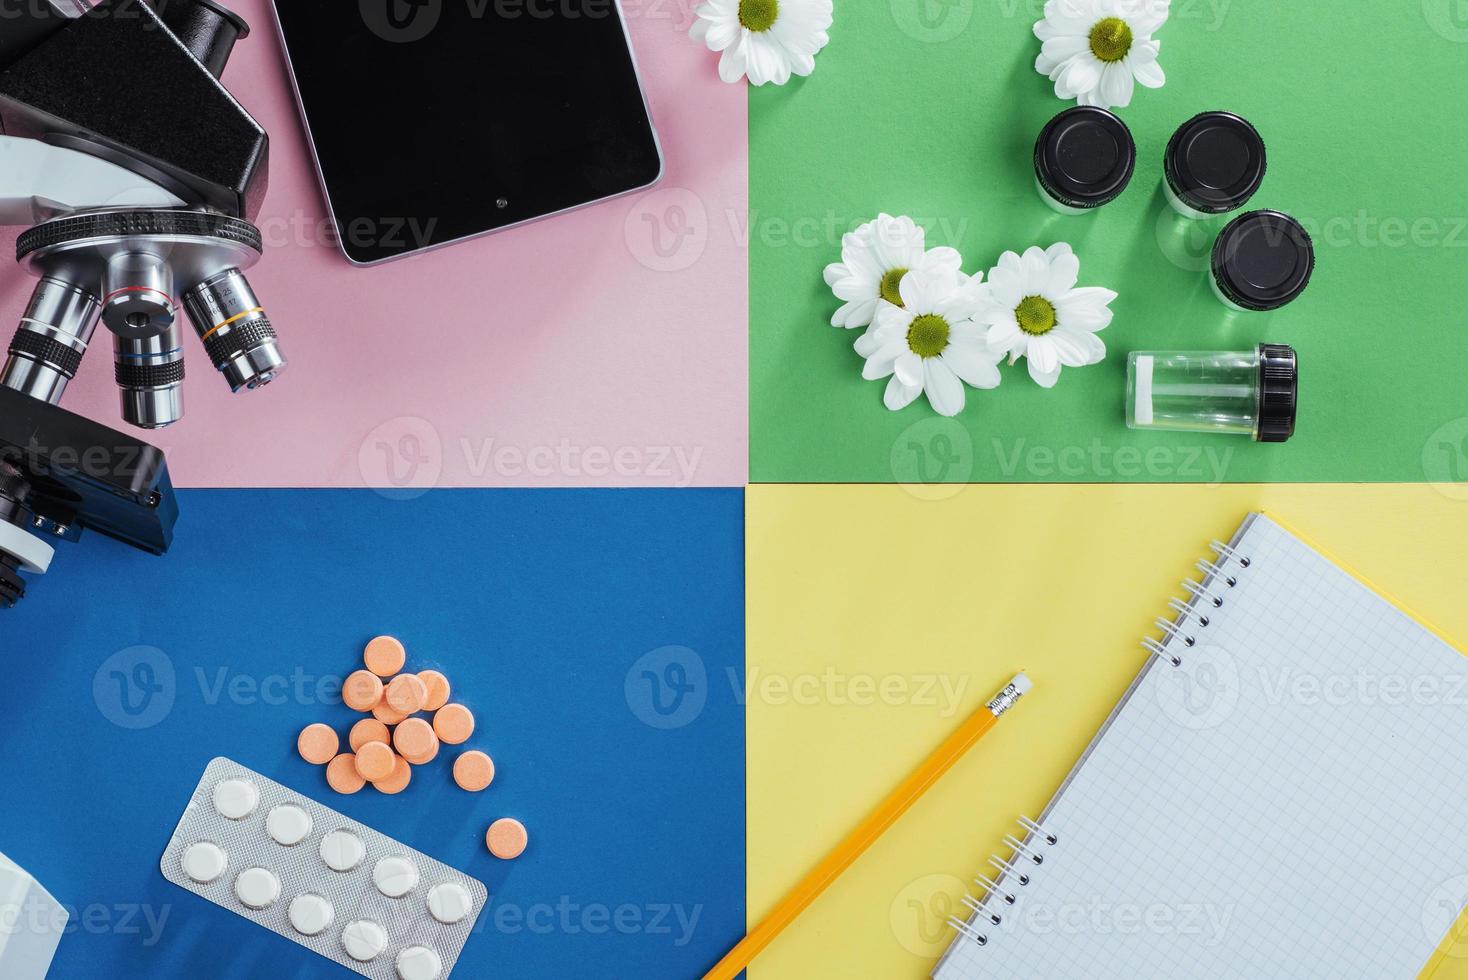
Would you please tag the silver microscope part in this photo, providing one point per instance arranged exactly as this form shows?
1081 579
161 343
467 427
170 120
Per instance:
53 335
150 373
235 330
137 295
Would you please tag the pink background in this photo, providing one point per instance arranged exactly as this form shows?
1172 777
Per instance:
578 351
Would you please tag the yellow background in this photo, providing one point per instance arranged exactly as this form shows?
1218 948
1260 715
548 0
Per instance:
853 588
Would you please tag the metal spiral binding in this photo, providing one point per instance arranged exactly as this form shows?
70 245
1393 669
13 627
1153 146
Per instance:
1207 593
1026 847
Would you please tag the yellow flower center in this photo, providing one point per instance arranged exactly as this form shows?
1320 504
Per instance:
928 335
1036 315
890 288
760 15
1111 39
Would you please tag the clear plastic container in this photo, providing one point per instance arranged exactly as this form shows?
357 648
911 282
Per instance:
1213 165
1084 158
1252 393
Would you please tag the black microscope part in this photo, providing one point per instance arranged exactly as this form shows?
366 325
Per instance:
208 29
187 133
81 474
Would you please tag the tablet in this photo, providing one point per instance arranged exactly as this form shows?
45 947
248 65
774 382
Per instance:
433 121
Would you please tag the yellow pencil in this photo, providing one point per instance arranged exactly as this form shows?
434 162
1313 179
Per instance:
856 842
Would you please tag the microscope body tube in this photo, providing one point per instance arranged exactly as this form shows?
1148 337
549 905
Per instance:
53 335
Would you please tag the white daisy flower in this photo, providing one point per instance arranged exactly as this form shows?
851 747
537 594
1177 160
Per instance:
874 260
930 344
1094 49
1032 309
768 40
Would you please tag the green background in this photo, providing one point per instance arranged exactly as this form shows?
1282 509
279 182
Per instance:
930 108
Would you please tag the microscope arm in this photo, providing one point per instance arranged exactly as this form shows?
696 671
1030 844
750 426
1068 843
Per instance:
39 181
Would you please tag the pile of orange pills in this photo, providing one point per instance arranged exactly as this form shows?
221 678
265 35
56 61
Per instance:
383 749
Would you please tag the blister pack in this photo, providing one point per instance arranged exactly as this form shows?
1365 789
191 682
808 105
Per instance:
300 869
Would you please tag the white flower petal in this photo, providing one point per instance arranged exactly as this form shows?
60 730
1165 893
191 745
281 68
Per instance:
944 390
909 367
880 364
973 364
1006 283
1004 334
1080 77
1042 355
1061 277
898 395
857 313
1117 85
732 63
1036 271
1148 74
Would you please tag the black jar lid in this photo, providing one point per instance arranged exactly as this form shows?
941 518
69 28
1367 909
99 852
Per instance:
1215 162
1263 260
1085 157
1279 392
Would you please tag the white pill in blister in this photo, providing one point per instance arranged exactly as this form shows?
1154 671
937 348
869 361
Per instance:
395 876
311 914
342 850
236 799
204 862
419 963
364 940
449 902
288 824
257 888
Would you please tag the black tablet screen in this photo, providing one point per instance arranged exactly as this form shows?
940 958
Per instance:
435 120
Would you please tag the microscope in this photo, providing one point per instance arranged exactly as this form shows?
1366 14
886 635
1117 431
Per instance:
136 176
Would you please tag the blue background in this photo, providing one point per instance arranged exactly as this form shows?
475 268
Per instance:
542 607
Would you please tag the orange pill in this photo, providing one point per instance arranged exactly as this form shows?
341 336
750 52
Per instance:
437 686
507 838
406 693
375 761
415 741
453 724
342 774
473 771
398 779
362 690
384 656
368 730
387 714
317 744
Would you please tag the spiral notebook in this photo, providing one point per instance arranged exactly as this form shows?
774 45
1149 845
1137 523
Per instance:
1279 793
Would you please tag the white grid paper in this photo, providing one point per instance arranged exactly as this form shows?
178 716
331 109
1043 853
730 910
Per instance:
1286 803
